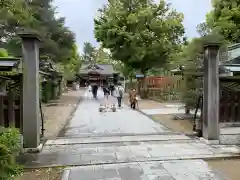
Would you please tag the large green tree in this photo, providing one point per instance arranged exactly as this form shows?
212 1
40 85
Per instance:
191 59
89 52
69 69
141 34
37 16
224 19
203 29
13 16
3 52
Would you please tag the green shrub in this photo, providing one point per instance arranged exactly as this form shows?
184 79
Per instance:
9 148
191 92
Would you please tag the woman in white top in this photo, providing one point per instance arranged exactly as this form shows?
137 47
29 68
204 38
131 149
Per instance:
89 92
118 93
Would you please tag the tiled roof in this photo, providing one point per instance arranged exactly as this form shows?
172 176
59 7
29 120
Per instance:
106 69
8 63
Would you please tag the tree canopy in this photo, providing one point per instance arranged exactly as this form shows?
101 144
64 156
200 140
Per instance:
103 57
88 51
38 16
35 16
141 34
3 52
224 19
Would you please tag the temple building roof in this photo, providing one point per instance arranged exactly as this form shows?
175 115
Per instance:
103 69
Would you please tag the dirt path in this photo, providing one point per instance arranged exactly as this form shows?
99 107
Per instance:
229 167
57 113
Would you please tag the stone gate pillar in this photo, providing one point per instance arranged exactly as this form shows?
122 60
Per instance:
211 92
31 118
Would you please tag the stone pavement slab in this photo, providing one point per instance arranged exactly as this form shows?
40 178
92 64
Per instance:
174 170
88 121
126 145
120 152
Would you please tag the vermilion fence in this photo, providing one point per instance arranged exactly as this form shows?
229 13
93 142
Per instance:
163 82
165 88
162 87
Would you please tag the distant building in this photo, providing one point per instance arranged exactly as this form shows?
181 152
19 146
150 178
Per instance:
233 61
97 73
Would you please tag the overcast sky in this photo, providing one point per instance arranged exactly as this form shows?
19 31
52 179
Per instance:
79 15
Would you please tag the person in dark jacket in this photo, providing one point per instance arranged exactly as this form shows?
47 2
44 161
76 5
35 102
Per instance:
106 91
111 88
94 90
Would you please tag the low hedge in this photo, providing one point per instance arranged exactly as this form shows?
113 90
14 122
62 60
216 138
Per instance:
10 147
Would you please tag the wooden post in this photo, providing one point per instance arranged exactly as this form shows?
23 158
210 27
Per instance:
1 111
11 108
21 104
31 118
211 92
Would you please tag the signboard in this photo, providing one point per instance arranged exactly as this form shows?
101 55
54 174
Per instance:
93 78
139 76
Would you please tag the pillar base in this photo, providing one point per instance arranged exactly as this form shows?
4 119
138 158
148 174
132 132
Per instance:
210 142
33 150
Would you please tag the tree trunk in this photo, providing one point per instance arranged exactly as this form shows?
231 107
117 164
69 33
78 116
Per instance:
131 80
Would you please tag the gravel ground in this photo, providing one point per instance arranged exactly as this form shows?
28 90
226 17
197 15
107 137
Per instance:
228 167
183 126
41 174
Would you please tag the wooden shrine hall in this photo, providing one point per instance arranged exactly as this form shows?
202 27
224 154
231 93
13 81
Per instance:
97 74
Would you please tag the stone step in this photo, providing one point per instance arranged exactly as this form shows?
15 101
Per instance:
111 139
51 160
88 135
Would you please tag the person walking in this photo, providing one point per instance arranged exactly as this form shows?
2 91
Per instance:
112 89
118 92
89 92
133 98
106 91
94 90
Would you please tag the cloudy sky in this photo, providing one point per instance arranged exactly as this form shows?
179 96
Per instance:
80 14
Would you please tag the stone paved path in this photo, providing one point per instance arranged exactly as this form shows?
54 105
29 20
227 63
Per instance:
164 170
89 122
126 145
